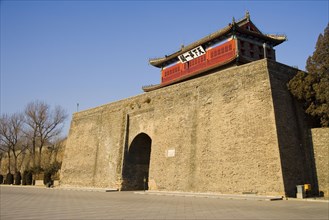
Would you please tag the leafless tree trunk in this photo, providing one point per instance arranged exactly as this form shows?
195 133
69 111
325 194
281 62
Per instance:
4 147
43 124
1 157
11 133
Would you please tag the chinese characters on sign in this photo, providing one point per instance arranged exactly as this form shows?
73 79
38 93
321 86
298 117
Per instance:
190 55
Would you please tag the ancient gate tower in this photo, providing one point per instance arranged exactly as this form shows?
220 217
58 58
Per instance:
221 120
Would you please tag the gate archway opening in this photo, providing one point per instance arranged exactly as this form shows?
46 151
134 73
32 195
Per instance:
136 163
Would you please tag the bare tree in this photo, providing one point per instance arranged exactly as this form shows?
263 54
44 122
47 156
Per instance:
43 125
1 157
11 134
4 149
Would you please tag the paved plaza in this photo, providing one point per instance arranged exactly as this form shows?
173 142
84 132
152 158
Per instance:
42 203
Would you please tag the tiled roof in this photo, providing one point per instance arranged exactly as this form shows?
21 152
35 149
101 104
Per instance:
234 27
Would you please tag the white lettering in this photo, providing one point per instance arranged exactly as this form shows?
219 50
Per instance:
192 54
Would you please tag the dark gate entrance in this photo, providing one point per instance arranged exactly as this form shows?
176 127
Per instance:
136 163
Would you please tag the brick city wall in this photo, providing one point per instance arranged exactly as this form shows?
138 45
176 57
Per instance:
226 132
320 139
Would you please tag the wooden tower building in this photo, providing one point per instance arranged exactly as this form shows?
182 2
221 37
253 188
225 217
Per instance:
238 43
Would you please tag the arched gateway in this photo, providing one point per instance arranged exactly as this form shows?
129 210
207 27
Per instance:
136 163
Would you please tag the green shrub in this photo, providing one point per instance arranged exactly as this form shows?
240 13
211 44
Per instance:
27 177
24 177
18 178
47 179
9 179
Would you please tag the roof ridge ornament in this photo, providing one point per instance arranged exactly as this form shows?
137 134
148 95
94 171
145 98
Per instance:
248 15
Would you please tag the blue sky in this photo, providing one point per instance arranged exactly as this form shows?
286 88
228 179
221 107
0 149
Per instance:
97 52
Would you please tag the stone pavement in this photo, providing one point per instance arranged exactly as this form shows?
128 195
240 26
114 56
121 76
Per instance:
54 203
213 195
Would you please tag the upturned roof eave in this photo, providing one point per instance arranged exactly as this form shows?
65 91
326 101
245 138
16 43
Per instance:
232 28
157 62
278 38
275 39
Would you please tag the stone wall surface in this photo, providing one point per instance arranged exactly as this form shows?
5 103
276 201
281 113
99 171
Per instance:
295 151
320 138
224 132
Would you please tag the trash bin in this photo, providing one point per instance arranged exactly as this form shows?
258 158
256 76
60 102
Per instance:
307 188
300 192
